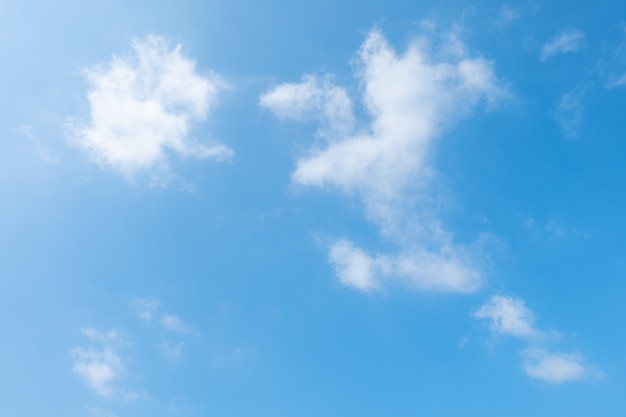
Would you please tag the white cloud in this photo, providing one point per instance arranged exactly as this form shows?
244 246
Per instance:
354 267
172 349
448 270
313 99
508 316
146 308
619 81
143 107
410 100
173 323
569 113
44 154
555 368
506 15
100 367
569 40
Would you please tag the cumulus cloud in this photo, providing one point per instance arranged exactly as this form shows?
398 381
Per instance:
569 40
143 108
100 367
447 270
555 368
508 316
409 99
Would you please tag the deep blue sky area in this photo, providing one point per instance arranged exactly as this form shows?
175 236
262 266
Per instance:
250 209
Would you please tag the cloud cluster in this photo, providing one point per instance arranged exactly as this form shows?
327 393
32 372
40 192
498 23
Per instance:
509 316
143 107
569 40
409 99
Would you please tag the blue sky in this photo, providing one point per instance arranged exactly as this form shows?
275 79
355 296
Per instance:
326 209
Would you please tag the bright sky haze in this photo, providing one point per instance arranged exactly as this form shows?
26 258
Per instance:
334 209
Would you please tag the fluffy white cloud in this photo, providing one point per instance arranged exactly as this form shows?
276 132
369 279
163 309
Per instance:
143 107
569 40
410 99
508 316
101 368
313 98
554 368
448 270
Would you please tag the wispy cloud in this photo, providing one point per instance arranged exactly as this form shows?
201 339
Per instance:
569 113
143 107
569 40
146 308
42 152
174 323
509 316
612 65
100 367
507 15
410 100
172 349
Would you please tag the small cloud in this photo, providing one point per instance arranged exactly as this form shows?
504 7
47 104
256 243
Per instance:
554 368
109 337
146 308
173 323
180 404
354 267
569 40
450 270
315 98
612 65
569 113
100 367
464 341
172 349
508 316
143 107
620 81
506 15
